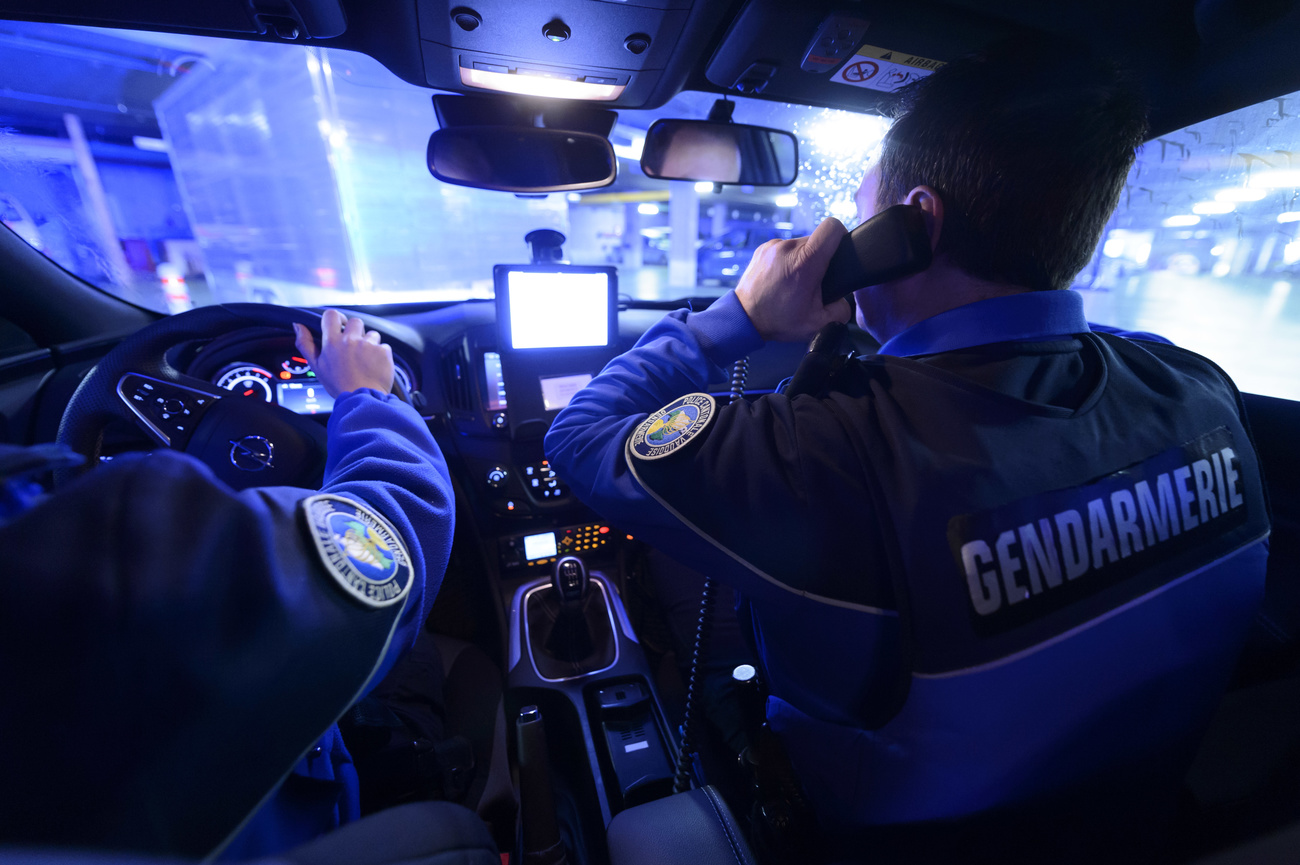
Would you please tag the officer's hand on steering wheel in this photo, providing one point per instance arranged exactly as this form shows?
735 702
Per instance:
781 289
349 358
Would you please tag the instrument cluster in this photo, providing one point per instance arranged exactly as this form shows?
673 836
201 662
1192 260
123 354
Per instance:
286 381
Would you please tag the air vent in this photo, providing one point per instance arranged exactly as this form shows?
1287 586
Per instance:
458 379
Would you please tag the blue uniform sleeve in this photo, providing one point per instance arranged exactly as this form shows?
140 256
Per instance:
382 454
196 633
679 354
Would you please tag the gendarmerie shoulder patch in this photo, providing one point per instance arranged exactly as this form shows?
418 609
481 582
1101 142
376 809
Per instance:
670 428
359 549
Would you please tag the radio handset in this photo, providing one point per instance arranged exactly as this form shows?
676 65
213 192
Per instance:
890 245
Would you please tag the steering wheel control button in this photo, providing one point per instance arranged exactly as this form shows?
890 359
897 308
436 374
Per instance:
359 549
166 410
499 420
252 453
497 477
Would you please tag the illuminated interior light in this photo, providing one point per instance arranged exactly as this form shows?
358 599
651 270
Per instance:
1113 247
1291 253
1207 208
1182 220
573 198
1293 216
142 142
704 186
789 199
645 208
844 208
1279 179
537 85
1218 250
1240 194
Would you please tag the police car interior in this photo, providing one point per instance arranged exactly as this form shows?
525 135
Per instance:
483 181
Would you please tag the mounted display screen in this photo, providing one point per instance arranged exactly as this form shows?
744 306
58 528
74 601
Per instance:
539 546
555 306
304 397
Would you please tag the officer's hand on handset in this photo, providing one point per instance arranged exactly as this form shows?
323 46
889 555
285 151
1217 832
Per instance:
349 357
781 290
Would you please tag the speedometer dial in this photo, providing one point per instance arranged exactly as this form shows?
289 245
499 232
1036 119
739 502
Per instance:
246 380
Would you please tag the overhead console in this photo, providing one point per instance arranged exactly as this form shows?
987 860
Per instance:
579 49
854 55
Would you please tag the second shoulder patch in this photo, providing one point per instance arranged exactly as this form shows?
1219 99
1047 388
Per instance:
670 428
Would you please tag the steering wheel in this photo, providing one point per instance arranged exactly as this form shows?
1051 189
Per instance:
244 442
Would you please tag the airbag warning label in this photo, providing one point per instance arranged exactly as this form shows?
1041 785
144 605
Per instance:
884 70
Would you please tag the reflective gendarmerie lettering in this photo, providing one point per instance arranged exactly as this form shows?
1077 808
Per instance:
1038 554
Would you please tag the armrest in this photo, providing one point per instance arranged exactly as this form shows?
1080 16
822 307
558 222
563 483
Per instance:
691 828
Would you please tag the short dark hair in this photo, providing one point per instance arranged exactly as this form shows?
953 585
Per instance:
1028 146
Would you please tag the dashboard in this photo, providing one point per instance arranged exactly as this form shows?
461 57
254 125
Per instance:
271 370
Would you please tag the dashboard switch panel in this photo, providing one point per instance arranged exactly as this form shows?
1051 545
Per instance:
542 483
534 549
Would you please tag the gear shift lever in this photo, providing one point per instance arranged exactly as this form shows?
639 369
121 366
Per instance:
570 580
570 638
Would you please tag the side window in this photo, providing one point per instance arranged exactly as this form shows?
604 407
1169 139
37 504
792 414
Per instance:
1204 247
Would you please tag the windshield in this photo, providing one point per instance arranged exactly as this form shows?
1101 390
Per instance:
176 171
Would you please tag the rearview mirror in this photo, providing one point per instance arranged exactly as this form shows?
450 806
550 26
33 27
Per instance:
521 159
720 153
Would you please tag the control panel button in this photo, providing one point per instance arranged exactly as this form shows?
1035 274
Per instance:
497 476
543 483
167 410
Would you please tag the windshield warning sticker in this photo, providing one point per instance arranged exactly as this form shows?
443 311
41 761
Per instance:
884 70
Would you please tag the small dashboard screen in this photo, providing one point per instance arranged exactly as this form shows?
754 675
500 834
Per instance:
496 383
557 391
558 309
304 397
539 546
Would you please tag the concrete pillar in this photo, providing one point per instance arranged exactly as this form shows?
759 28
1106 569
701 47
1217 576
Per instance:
633 242
718 212
684 218
97 205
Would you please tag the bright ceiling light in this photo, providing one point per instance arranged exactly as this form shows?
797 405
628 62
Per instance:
1240 194
647 209
538 85
1278 179
573 197
844 208
788 199
157 145
704 186
1206 208
1182 220
1292 216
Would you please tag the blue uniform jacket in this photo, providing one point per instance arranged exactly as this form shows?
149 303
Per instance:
176 653
827 628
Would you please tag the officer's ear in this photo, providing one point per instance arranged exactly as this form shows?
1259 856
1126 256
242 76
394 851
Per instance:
931 205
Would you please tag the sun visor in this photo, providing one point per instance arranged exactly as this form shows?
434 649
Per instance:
570 49
291 20
846 57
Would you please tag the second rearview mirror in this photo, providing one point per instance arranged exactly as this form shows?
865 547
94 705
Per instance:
720 153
